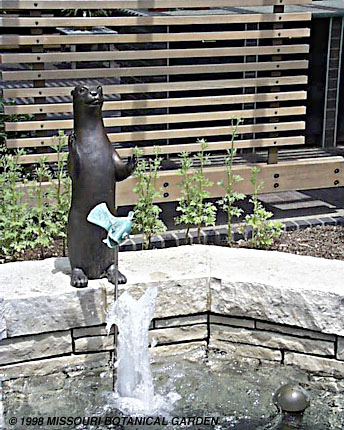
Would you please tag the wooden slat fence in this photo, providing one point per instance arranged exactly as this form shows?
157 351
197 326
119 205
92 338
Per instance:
169 77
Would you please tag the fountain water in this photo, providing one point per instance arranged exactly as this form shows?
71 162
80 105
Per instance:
134 389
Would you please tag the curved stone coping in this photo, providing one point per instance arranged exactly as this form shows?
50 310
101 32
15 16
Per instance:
300 291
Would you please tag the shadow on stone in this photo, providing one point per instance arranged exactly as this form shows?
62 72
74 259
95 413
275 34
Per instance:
62 264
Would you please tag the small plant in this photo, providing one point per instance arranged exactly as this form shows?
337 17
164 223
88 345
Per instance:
188 191
230 197
42 226
60 192
14 215
263 231
192 205
146 218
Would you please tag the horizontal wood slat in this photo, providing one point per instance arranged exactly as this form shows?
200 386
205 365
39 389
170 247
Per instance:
160 119
160 103
300 174
38 22
161 87
190 147
137 4
153 71
315 173
204 132
153 54
165 134
139 38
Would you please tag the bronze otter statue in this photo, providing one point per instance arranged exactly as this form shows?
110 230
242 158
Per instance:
94 167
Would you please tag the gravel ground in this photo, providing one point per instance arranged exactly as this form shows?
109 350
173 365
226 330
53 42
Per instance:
325 242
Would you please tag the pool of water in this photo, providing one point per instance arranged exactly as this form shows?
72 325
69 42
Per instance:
215 392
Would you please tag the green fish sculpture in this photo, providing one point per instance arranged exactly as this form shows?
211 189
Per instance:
118 229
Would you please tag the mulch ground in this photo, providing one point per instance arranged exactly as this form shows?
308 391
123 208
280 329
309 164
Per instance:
325 242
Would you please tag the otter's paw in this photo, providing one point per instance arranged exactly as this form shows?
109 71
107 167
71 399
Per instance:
111 275
132 163
78 279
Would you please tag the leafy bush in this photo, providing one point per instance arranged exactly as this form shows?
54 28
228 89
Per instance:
14 213
263 231
60 192
36 223
41 226
146 218
231 197
192 205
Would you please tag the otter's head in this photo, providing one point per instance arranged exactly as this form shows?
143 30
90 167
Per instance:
88 99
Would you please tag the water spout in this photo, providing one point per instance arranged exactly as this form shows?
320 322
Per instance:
134 384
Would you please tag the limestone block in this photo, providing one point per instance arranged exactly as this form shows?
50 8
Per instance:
178 334
279 287
39 298
191 351
94 344
294 331
179 263
320 365
247 351
313 310
37 314
239 322
68 364
179 321
180 297
340 348
272 340
24 348
90 331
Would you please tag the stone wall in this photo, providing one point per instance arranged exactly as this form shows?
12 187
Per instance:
263 305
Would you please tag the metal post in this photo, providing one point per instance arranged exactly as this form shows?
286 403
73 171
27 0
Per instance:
338 83
273 150
326 85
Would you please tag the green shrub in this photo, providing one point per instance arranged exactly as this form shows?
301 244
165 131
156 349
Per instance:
14 212
60 192
231 197
33 224
42 227
264 232
192 205
146 218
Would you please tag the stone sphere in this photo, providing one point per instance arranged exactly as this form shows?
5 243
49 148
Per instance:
291 398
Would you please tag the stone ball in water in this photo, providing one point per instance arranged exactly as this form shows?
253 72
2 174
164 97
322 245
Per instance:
291 398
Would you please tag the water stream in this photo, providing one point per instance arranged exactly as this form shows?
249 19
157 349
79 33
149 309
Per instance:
134 388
